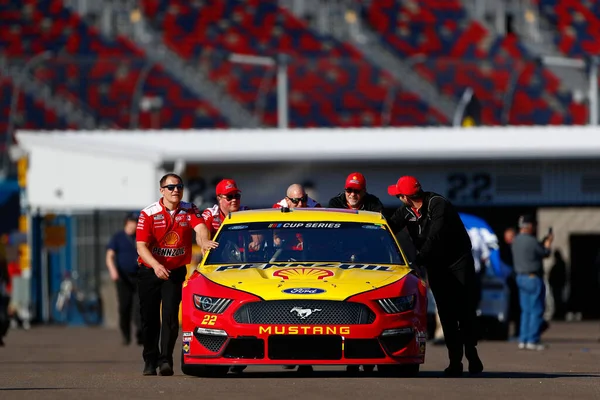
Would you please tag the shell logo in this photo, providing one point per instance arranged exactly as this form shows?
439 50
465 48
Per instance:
171 239
303 273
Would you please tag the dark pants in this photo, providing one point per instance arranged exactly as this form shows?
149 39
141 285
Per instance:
152 291
455 292
129 305
4 318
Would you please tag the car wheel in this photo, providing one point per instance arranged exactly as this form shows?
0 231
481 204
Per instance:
405 370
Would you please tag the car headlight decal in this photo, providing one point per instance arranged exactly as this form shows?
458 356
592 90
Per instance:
397 305
213 305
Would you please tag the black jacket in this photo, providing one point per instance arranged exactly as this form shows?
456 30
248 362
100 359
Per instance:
370 202
438 234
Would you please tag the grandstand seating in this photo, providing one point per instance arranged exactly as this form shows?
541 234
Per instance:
30 113
330 83
459 53
94 71
577 24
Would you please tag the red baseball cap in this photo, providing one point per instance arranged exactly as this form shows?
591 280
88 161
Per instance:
406 185
356 180
227 186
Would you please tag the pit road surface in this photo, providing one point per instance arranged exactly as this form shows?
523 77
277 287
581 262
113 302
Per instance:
49 362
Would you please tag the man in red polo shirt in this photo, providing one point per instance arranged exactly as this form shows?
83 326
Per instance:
164 244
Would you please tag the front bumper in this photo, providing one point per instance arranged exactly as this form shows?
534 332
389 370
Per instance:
332 345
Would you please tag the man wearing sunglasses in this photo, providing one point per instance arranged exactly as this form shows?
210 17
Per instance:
228 200
164 245
296 197
444 249
355 196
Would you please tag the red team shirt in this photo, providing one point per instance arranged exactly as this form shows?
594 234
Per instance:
170 236
213 218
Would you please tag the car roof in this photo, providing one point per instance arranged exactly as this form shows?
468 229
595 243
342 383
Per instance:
304 214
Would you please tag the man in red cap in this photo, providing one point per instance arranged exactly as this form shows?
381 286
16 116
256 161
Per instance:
228 200
355 196
444 249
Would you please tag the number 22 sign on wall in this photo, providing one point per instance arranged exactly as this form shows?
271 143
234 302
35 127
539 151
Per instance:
469 187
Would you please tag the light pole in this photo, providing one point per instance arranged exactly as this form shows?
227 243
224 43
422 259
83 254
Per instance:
282 82
15 97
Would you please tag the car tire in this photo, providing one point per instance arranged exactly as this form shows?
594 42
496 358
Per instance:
403 370
203 371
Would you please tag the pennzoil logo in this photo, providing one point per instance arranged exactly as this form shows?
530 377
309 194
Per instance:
303 273
170 252
171 239
303 330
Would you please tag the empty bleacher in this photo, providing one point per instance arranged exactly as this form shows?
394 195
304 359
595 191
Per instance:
94 71
330 83
458 53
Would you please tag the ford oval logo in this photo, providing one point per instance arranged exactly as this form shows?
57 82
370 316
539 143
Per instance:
304 290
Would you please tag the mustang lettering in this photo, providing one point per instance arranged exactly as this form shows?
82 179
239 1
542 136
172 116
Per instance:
303 330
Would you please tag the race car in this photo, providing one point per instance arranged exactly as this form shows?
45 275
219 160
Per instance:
304 287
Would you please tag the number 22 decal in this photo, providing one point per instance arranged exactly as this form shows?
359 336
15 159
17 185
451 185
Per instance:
209 320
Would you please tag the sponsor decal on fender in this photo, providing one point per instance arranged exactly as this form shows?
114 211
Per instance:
303 330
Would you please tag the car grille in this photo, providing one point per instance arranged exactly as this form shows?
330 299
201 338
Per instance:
212 343
321 312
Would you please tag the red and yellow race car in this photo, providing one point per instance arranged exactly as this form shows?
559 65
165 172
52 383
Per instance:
304 287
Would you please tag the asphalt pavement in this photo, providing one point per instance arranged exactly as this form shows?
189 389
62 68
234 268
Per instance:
51 362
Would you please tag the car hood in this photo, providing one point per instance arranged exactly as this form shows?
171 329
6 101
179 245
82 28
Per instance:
327 281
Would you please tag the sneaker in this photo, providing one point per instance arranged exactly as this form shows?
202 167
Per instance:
535 346
521 346
165 369
149 369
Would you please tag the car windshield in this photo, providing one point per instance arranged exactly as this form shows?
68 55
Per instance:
347 242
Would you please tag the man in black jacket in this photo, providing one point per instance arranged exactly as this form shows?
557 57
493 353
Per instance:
444 249
355 196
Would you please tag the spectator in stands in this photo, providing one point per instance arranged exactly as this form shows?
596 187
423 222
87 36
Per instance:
355 196
444 249
121 261
528 255
296 197
164 251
